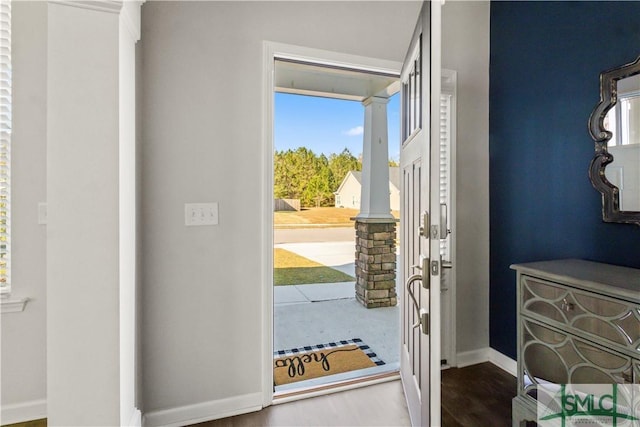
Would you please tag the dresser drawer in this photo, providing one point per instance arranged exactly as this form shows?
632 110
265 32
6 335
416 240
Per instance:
551 356
578 323
595 317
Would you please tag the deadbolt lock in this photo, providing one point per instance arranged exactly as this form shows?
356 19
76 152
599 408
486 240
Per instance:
424 224
434 268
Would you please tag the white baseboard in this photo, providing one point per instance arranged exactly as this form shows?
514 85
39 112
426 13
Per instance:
206 411
473 357
487 354
21 412
504 362
136 418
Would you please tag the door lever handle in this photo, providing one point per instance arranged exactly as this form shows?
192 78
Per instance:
423 266
410 281
423 315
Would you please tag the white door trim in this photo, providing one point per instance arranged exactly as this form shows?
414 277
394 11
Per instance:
434 298
449 324
271 51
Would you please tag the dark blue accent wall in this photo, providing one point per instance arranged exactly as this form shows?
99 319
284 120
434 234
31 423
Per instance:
545 62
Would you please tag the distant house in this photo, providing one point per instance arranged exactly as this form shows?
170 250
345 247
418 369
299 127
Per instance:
348 194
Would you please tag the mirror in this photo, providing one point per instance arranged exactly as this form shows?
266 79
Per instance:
623 120
615 127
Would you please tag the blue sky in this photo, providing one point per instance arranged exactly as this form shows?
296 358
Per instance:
327 125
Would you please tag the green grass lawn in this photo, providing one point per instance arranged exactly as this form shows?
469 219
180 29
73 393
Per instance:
317 217
293 269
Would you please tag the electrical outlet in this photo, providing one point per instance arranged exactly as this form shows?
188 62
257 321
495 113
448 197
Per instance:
200 214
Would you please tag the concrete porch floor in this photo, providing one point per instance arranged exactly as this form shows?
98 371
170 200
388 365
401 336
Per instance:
321 313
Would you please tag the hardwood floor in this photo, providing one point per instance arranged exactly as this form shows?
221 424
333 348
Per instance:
475 396
34 423
377 405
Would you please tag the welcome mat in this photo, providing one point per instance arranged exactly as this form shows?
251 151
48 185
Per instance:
305 363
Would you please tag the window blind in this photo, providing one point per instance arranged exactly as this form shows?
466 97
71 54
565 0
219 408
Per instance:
5 145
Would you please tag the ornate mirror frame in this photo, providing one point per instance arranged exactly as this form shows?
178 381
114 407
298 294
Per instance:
608 97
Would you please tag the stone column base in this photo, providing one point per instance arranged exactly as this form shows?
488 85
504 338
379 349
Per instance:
376 263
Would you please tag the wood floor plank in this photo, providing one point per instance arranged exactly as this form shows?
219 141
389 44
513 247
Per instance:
478 395
35 423
475 396
377 405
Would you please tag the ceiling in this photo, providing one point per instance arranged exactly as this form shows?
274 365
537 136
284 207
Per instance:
333 81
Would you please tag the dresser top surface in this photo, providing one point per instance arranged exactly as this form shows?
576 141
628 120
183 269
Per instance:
588 275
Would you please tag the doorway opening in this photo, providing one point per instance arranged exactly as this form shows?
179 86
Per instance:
328 326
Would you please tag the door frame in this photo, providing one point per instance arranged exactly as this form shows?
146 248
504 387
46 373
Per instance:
449 87
435 61
271 52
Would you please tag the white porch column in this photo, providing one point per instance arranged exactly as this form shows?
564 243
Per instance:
375 226
374 198
91 212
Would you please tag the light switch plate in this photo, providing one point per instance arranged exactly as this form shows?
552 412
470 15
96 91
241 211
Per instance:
201 214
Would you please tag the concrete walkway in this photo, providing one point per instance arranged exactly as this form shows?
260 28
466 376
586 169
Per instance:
337 255
313 293
321 313
297 325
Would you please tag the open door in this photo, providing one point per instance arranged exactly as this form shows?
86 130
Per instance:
420 221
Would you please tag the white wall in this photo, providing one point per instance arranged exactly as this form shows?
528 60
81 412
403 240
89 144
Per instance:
202 286
24 334
465 49
82 242
91 235
394 197
202 130
350 193
67 346
129 34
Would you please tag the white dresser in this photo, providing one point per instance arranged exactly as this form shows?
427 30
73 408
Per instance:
578 322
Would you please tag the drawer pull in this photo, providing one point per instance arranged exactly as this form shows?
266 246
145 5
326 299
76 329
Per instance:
567 306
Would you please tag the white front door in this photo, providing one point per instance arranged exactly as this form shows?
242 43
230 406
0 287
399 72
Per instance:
420 232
